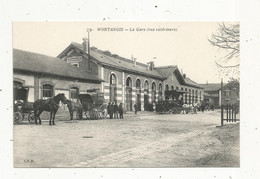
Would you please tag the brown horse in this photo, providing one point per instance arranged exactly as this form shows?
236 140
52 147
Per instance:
74 106
51 105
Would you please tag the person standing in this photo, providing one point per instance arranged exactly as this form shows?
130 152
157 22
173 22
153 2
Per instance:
121 110
111 110
202 106
115 110
135 106
108 109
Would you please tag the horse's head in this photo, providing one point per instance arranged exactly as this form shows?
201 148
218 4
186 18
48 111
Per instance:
61 97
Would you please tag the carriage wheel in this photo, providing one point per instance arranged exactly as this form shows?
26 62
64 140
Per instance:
18 117
161 110
174 111
31 118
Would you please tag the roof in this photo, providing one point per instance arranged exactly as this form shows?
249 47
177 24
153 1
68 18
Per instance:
109 59
211 86
165 71
38 63
189 82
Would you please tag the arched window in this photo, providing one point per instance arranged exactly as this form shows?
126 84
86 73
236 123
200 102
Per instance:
146 85
113 79
47 91
113 89
160 91
177 87
138 83
74 91
128 82
167 87
172 88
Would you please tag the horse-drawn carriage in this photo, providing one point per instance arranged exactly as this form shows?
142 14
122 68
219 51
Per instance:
22 108
91 105
168 106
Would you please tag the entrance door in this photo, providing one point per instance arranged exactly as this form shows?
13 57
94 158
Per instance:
129 99
138 100
146 102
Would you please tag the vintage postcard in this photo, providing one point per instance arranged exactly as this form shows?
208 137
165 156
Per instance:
126 94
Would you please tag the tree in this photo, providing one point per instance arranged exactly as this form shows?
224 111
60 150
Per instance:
227 39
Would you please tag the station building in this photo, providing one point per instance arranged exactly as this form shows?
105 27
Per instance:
79 68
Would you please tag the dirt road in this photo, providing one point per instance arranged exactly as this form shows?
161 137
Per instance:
145 140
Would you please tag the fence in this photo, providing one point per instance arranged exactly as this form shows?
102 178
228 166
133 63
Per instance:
229 113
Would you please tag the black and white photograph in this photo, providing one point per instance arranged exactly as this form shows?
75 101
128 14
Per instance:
129 89
126 94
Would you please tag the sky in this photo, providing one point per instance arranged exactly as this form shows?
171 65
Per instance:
185 45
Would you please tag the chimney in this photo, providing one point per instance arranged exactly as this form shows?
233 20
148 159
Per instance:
151 65
134 60
207 82
148 66
85 44
184 75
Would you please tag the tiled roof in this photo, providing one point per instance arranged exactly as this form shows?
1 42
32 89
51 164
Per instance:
211 86
191 83
38 63
107 58
165 71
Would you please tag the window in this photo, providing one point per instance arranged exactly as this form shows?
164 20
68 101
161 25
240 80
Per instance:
74 91
129 82
146 85
166 88
172 88
177 87
75 64
113 79
138 83
47 91
227 92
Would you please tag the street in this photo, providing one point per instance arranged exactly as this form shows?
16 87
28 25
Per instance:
143 140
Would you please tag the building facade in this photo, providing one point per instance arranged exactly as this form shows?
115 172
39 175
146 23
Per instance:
129 82
79 68
229 94
47 76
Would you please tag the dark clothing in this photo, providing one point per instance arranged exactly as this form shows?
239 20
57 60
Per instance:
202 107
115 111
135 106
111 111
121 110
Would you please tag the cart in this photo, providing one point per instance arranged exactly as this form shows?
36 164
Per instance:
93 106
22 108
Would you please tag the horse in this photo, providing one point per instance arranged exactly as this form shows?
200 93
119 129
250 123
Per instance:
74 106
51 105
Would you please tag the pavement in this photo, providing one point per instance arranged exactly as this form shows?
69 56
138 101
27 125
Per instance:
143 140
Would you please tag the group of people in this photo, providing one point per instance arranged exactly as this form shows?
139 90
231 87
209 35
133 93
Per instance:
113 110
